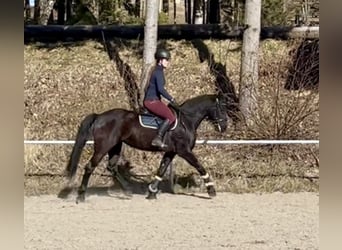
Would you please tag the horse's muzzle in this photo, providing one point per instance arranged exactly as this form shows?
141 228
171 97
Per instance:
221 127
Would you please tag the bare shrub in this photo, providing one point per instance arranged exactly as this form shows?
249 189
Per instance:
304 71
283 114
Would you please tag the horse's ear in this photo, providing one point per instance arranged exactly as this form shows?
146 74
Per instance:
220 96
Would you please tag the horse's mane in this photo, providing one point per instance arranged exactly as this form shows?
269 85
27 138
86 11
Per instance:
196 100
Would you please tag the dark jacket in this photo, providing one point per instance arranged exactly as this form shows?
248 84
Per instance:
155 88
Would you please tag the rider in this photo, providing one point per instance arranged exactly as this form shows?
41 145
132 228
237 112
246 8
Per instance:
154 91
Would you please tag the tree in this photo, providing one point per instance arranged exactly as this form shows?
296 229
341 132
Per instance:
61 11
198 12
36 14
150 43
249 60
214 11
27 10
68 10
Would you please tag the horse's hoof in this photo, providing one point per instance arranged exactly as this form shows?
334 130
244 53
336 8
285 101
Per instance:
128 192
211 192
64 193
151 196
80 198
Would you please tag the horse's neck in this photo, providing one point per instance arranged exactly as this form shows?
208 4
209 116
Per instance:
195 118
197 108
200 118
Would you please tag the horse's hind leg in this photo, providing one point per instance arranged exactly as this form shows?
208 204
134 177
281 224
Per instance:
113 158
192 160
89 169
153 186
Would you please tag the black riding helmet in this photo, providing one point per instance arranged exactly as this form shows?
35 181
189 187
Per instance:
162 54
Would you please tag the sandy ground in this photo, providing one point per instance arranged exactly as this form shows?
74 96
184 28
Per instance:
229 221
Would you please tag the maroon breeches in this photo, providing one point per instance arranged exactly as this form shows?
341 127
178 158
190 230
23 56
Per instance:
160 109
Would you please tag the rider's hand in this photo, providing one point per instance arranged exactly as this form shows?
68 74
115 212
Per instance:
174 104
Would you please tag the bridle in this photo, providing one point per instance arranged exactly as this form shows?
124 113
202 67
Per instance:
218 109
217 119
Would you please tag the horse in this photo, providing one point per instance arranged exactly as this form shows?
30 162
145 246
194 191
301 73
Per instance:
114 127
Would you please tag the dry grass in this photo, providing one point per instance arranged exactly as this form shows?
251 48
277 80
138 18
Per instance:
65 83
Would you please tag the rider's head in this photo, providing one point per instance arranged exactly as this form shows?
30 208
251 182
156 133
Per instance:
162 57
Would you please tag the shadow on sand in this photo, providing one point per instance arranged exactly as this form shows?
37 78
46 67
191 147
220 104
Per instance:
138 185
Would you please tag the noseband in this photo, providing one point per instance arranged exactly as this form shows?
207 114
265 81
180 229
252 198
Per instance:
218 108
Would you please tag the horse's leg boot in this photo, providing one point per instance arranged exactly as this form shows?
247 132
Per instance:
158 140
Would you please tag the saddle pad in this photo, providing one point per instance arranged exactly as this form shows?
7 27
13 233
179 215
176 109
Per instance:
151 121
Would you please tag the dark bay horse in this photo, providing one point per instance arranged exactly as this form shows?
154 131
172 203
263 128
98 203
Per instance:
113 127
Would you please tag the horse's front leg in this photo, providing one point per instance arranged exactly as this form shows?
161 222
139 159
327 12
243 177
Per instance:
192 160
153 186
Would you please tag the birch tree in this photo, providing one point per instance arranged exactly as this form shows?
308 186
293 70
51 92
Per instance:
249 60
150 43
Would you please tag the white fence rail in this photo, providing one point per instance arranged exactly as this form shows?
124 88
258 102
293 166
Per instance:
212 142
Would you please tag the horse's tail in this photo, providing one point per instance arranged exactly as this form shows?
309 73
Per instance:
83 135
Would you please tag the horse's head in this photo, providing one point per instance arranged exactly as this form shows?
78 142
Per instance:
209 107
218 115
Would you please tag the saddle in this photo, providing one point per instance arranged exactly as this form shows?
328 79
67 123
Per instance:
150 120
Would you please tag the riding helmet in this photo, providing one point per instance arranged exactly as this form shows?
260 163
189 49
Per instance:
162 54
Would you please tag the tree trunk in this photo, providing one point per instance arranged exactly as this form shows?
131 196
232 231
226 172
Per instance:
150 43
204 11
27 9
68 10
166 6
45 11
198 13
61 12
174 12
142 8
214 11
249 60
137 8
189 6
36 14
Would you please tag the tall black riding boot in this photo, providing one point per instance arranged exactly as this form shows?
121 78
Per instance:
158 140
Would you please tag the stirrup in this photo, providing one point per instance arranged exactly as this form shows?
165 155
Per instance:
157 142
